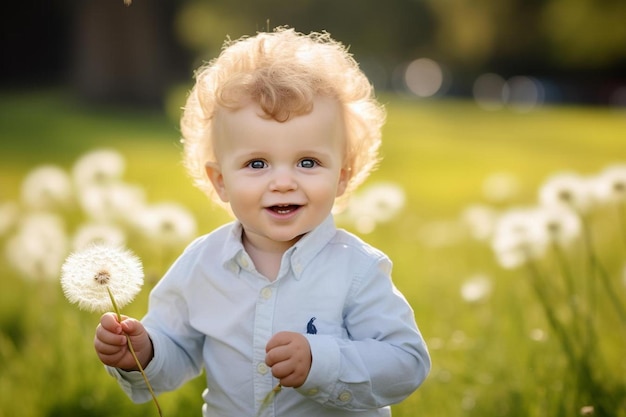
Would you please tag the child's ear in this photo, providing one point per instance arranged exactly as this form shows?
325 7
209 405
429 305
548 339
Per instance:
214 173
344 178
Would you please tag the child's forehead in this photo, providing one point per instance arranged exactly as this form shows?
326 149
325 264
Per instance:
250 123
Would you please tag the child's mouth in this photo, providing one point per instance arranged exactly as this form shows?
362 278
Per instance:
284 208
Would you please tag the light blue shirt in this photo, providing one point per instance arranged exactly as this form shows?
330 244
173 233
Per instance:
213 311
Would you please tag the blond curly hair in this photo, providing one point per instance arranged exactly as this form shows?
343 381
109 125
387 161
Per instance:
283 71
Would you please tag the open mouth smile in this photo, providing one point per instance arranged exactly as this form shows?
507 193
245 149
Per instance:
283 209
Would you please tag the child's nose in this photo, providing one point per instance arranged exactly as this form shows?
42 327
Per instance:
283 180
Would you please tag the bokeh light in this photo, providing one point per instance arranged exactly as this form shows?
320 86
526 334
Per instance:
424 77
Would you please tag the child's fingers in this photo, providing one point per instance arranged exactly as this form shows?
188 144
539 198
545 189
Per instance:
105 336
279 339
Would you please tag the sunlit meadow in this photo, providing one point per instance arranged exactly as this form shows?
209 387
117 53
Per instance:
507 230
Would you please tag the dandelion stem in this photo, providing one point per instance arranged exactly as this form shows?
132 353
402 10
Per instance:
132 352
596 265
269 398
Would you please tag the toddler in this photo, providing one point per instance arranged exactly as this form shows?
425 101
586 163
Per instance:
278 128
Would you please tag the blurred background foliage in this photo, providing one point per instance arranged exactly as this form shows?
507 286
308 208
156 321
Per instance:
110 53
486 99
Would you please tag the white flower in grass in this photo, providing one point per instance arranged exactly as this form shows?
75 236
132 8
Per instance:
515 240
87 276
98 167
480 220
476 288
525 234
112 202
567 190
556 225
46 187
377 203
166 223
610 185
38 247
500 187
98 233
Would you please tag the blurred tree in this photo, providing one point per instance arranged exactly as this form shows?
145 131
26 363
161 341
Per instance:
110 52
586 33
124 54
379 36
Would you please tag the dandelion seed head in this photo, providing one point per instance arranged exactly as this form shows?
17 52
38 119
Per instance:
516 240
98 233
86 275
556 225
476 288
610 185
166 223
102 277
538 335
500 187
480 220
587 410
111 202
46 187
567 190
98 167
375 204
38 246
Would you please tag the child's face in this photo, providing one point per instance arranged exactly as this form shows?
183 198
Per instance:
280 179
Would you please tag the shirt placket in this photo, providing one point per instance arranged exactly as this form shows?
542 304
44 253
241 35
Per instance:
263 328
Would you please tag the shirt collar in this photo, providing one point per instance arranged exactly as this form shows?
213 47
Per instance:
297 257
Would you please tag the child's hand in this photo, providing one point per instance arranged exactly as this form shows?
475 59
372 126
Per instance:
111 345
289 356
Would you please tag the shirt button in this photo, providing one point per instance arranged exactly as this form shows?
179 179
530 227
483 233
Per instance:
262 368
244 262
312 391
266 293
345 396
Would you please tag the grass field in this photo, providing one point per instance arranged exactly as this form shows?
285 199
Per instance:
494 354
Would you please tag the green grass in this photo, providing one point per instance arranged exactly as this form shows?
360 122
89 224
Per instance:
440 152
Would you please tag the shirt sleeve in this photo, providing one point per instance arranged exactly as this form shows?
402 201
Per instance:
383 360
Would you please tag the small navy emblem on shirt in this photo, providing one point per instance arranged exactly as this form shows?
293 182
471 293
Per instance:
310 327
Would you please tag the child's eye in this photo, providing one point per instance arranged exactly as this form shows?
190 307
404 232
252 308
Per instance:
308 163
257 164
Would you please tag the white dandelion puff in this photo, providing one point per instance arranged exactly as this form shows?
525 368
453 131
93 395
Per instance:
500 187
440 233
87 277
38 246
480 220
383 201
556 225
98 233
610 185
166 223
112 202
102 278
476 288
567 190
46 187
98 167
516 241
375 204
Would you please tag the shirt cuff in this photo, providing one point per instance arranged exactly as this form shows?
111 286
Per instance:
324 372
132 382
